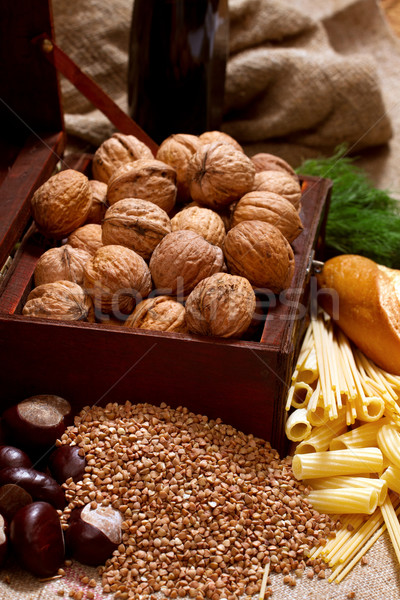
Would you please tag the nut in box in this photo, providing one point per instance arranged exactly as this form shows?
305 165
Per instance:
101 362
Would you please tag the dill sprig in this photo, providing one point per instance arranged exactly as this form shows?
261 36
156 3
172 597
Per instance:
362 219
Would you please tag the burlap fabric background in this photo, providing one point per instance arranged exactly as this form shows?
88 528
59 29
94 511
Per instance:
296 86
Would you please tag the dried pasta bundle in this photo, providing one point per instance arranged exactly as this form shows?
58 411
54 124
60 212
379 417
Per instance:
348 457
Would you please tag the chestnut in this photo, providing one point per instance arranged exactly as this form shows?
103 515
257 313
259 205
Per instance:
39 485
3 540
37 539
64 462
12 498
93 534
38 421
13 457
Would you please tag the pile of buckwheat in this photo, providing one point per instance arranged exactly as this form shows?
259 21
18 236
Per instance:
205 506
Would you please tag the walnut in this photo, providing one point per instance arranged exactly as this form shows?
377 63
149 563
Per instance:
116 151
176 150
259 252
225 212
219 175
271 208
61 300
136 224
279 183
99 202
263 161
181 260
148 179
62 263
203 221
221 305
116 278
219 136
62 203
162 313
87 237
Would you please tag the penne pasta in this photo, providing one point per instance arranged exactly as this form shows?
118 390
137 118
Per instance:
320 437
359 437
388 438
324 483
345 500
302 393
308 372
391 476
337 462
297 425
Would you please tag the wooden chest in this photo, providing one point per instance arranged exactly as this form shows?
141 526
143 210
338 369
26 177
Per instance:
242 382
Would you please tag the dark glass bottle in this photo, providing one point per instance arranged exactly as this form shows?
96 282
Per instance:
177 58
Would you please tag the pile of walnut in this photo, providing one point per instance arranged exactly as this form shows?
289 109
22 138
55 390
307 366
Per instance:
178 242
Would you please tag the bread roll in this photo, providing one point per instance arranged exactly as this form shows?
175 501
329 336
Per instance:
366 307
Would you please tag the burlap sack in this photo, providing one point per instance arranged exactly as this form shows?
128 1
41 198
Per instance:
285 81
287 88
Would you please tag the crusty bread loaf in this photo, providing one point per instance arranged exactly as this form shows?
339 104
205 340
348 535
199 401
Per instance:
366 306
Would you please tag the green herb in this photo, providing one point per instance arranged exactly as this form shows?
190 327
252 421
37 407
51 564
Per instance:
362 219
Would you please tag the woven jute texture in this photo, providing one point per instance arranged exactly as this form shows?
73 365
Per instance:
302 77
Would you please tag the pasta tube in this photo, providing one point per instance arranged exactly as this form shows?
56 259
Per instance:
297 425
320 437
392 478
317 411
302 393
360 437
324 483
388 438
308 372
337 462
345 500
369 408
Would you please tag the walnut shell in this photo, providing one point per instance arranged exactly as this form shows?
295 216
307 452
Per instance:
222 305
87 237
117 278
279 183
224 212
270 208
176 150
99 202
61 300
263 161
219 175
161 313
203 221
62 203
148 179
259 252
116 151
208 137
181 260
136 224
61 263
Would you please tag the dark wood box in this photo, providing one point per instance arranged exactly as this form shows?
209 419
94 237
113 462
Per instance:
243 382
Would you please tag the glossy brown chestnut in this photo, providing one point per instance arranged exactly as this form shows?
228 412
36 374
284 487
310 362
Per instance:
12 498
38 421
13 457
37 539
65 461
39 485
93 534
3 540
